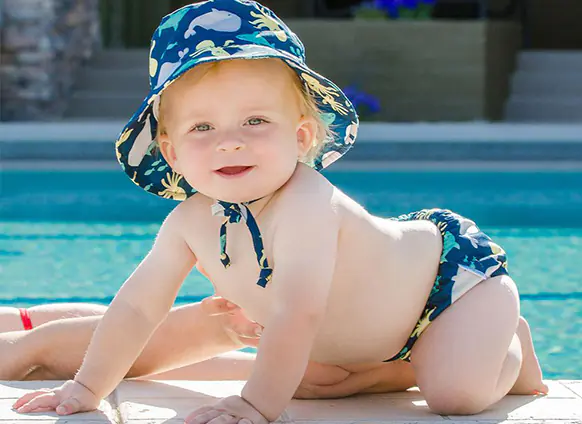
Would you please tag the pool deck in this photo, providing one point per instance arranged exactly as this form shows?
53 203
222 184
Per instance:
108 130
466 145
169 402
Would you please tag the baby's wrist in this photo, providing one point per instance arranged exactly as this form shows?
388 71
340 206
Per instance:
249 403
84 386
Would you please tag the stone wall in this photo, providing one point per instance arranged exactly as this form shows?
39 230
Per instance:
418 70
555 24
504 40
42 45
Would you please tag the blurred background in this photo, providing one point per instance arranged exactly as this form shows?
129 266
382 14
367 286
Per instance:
471 105
403 60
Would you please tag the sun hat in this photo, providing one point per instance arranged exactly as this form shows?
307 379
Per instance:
210 31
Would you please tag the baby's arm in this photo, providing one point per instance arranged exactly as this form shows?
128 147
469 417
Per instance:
304 251
138 308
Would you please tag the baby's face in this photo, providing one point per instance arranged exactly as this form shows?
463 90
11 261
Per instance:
235 132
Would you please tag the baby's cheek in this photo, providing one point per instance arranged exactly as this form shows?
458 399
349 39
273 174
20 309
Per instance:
194 160
196 175
280 152
192 151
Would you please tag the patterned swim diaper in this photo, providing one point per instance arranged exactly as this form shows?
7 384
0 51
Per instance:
469 257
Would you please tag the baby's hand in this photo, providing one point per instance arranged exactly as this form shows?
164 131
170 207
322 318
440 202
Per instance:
233 320
70 398
230 410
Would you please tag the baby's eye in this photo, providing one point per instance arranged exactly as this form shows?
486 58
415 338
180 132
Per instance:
201 127
256 121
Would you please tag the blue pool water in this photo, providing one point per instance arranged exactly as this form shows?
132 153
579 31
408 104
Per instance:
75 236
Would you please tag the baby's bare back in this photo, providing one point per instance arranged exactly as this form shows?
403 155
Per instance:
383 274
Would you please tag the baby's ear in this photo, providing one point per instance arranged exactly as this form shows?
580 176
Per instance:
306 134
168 151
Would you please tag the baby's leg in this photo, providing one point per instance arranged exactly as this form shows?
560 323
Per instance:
16 359
10 319
470 356
227 366
529 380
57 348
395 376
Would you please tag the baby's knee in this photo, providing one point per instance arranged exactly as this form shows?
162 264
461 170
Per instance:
457 401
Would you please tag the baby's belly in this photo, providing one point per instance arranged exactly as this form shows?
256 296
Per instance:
373 307
361 342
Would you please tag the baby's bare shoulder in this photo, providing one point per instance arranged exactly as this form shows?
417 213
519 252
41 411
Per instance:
193 209
305 206
191 218
309 191
307 187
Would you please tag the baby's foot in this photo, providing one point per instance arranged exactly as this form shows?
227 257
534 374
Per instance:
529 381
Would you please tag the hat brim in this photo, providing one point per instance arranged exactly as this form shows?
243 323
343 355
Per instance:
135 146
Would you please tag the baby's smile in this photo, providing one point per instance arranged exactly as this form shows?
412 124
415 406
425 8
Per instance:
234 171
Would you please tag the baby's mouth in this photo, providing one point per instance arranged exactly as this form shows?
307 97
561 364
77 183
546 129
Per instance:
233 171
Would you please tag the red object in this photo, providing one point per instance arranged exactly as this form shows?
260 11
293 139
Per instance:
26 322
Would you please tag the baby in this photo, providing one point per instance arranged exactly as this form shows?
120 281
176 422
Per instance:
238 127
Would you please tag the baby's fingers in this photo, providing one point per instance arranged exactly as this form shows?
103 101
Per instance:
252 341
70 406
203 415
224 419
42 402
28 397
216 305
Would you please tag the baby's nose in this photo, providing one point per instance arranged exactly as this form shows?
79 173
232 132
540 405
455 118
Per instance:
230 145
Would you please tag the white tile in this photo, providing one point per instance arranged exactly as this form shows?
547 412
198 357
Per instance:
412 393
559 390
159 401
575 386
154 421
520 421
171 401
57 420
7 414
363 408
380 421
177 389
160 408
140 400
529 408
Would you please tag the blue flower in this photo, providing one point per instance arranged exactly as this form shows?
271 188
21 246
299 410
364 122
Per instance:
388 6
364 103
410 4
394 7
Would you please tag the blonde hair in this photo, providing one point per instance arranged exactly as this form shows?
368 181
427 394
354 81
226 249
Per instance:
309 107
307 104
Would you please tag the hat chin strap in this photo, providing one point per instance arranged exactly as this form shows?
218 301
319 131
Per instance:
235 213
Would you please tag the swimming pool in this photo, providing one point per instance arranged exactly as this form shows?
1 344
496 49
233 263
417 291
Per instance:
75 236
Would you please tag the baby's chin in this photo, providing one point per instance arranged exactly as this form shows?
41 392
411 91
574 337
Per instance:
233 196
246 189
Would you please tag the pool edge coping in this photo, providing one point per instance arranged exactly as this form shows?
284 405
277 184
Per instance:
108 130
